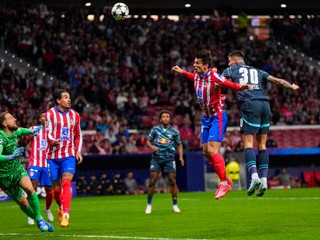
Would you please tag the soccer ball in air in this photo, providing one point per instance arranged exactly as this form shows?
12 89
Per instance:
120 11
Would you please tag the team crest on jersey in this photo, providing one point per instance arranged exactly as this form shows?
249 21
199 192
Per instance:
199 93
65 132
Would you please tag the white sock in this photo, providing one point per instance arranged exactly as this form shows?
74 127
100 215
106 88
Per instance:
224 183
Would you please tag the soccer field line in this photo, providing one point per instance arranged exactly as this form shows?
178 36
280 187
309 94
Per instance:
275 198
96 236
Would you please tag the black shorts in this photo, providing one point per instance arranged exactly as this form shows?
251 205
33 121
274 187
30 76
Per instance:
255 117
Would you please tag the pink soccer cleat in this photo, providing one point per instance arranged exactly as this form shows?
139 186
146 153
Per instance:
222 191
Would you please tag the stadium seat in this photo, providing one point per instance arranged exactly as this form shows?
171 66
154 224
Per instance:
146 121
317 176
309 179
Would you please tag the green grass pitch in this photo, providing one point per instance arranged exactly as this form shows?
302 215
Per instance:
280 214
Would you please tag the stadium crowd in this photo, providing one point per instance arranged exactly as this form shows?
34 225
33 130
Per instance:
117 79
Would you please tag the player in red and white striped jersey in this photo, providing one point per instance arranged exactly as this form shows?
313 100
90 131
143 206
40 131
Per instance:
37 165
207 85
64 149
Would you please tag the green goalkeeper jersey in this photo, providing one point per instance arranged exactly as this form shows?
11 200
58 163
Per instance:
8 143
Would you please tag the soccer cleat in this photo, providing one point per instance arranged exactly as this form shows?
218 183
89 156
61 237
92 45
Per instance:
65 220
175 209
60 214
222 191
255 183
30 221
229 182
148 209
49 215
261 190
50 227
42 225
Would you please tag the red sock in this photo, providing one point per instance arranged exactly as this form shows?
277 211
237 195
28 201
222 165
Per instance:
217 163
57 194
49 199
66 195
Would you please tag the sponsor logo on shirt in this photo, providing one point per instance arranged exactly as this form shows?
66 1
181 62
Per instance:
163 140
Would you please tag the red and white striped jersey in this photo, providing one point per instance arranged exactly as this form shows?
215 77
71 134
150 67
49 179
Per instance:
38 153
65 127
208 88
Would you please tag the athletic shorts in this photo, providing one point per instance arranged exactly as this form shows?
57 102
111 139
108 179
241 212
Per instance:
61 165
168 166
40 174
10 183
255 117
214 127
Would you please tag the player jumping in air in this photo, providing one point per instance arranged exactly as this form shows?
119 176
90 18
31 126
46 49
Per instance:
207 85
255 116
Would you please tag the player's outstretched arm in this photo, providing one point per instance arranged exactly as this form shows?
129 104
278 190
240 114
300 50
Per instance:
177 69
283 83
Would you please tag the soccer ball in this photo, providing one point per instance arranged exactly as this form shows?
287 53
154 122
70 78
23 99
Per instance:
120 11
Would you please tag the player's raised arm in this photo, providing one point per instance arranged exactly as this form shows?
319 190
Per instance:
283 83
177 69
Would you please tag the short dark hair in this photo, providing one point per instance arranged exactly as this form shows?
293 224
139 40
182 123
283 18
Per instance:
57 94
205 56
236 53
165 111
2 118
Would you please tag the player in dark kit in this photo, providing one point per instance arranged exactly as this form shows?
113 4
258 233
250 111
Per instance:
255 116
162 140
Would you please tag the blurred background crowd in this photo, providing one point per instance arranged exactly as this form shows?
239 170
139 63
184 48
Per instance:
120 82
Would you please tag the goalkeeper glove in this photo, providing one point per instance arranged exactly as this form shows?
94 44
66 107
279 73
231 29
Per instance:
16 153
35 130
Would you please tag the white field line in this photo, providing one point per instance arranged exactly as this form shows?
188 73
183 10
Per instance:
96 236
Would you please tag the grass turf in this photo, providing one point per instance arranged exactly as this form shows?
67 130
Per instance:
280 214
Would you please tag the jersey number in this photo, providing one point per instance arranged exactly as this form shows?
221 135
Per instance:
250 76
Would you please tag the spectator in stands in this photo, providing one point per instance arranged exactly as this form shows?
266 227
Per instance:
106 185
271 143
118 184
94 186
142 140
132 185
111 135
239 147
130 146
81 185
186 133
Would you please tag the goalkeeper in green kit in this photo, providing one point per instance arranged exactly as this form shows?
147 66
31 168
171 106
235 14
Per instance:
13 177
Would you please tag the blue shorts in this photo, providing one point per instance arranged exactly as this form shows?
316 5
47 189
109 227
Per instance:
40 174
213 128
168 166
255 117
61 165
